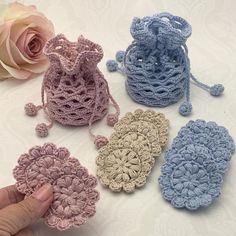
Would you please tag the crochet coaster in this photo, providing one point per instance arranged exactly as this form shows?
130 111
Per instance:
151 124
156 63
126 161
194 166
210 136
74 189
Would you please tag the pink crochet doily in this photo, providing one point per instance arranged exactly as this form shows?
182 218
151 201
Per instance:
74 189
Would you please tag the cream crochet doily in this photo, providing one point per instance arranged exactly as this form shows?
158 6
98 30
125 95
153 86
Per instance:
126 161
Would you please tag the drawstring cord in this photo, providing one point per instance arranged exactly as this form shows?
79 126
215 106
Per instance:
215 90
186 107
100 140
41 129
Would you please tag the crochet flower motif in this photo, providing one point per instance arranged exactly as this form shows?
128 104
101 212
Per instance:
190 178
123 168
141 133
126 161
210 135
74 189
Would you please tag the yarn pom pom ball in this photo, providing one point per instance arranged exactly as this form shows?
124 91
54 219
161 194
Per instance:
112 65
112 119
31 109
74 189
100 141
120 56
185 109
216 90
41 130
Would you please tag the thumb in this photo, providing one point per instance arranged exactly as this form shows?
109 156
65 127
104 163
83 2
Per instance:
15 217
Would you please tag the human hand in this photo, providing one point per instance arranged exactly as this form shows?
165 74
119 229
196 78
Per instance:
17 213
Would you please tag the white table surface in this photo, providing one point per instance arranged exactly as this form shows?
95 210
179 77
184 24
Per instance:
212 49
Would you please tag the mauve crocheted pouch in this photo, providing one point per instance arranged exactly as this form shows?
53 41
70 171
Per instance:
74 189
195 164
76 91
156 63
126 161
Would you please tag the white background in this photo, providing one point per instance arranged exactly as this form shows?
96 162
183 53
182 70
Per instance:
212 50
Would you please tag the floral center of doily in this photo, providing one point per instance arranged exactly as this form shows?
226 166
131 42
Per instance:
123 165
134 139
190 179
38 171
69 196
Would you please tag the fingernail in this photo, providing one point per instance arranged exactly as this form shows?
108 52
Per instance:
44 193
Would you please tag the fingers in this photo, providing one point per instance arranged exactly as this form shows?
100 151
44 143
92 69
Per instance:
16 217
25 232
9 195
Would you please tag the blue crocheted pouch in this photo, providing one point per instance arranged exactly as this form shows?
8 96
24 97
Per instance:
156 63
194 166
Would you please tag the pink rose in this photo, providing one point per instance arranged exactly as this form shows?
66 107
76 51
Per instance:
23 34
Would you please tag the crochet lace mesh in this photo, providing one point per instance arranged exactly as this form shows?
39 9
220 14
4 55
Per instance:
71 100
156 78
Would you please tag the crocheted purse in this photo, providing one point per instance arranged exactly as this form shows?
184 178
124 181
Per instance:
77 93
156 63
126 161
74 189
194 166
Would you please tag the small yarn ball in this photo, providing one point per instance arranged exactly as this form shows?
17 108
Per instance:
112 65
100 141
185 109
217 90
41 130
120 56
112 119
31 109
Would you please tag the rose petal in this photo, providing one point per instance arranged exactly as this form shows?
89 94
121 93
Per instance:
16 73
19 58
37 68
17 10
41 24
4 74
4 32
5 50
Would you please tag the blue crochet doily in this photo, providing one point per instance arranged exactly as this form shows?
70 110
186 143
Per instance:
156 63
194 166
